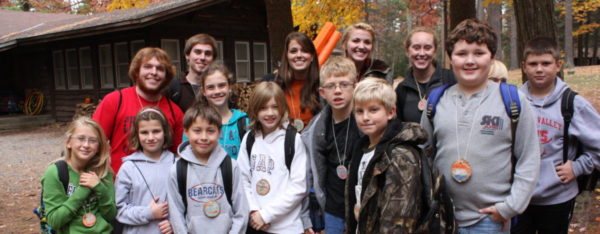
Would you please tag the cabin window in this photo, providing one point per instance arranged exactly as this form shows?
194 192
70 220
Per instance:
58 63
72 69
85 68
171 46
107 78
136 46
260 59
220 53
242 61
122 63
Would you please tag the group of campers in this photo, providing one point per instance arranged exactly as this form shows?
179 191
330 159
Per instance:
334 148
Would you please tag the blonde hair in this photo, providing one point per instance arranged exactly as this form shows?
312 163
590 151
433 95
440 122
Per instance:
147 114
338 66
498 70
263 92
352 28
375 89
100 163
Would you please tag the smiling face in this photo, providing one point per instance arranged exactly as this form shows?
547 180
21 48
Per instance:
299 58
216 89
83 144
269 116
359 45
541 70
372 118
151 78
337 91
203 137
421 51
151 136
200 58
471 64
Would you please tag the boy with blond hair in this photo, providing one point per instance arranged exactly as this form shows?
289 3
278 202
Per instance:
329 139
552 203
472 133
383 191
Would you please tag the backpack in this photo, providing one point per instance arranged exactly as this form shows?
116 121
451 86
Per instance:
40 211
439 215
226 174
567 108
241 124
288 145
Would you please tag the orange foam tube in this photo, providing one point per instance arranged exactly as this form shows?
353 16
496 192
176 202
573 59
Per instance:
323 36
333 40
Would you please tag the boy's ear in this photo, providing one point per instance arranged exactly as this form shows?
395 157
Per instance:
321 92
560 63
392 113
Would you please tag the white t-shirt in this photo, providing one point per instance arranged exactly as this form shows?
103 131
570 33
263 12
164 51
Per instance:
362 167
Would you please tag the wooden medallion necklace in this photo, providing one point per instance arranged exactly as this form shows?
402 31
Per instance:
461 170
341 170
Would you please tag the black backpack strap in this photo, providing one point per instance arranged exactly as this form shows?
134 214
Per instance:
241 124
182 181
226 174
175 90
567 109
250 143
289 145
63 173
512 105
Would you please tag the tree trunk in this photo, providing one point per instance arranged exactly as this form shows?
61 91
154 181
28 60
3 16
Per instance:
569 33
579 50
534 18
494 18
279 23
595 47
461 10
479 10
514 57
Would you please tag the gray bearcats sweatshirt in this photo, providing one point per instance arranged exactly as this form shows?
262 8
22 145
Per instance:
585 126
489 152
132 196
205 183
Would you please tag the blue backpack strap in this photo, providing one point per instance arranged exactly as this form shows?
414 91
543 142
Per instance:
510 97
512 105
434 98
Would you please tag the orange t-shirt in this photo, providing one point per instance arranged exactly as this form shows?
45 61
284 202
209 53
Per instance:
292 96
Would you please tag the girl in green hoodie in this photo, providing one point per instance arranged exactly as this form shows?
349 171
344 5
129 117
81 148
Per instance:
88 204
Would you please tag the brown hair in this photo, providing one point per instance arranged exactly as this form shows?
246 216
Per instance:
540 46
309 94
147 114
201 38
408 41
217 66
204 111
100 163
146 54
472 31
263 92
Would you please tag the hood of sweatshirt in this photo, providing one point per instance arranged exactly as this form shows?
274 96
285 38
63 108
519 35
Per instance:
556 95
406 132
235 116
140 156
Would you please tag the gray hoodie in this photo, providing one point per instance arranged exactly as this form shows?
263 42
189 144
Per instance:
489 152
205 183
132 195
585 126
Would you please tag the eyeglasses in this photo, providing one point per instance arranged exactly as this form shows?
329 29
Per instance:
343 86
82 140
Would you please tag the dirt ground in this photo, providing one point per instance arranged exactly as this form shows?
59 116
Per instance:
24 156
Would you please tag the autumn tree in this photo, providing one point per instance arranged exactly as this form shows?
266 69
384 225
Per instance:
126 4
309 15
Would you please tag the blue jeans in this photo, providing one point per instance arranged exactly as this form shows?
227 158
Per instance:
486 225
334 224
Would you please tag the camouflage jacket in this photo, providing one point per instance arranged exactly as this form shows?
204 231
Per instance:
391 186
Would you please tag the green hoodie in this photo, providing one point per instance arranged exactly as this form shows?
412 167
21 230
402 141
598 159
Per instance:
65 210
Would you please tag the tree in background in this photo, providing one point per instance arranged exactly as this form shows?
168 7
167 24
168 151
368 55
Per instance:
309 15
